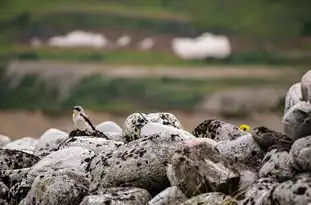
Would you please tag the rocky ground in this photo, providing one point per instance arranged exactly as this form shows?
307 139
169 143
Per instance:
153 160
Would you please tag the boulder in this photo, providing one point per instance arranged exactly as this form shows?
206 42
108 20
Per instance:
60 187
170 196
49 141
306 86
213 198
293 96
18 192
11 177
217 130
300 154
4 190
297 121
4 140
15 159
109 126
92 143
136 121
25 144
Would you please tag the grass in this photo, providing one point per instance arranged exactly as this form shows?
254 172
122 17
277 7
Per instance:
123 57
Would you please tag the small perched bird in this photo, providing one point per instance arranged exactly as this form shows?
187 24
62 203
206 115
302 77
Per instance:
81 121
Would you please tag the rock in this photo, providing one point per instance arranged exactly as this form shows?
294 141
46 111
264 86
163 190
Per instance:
11 177
295 191
115 136
15 159
3 202
49 141
92 143
156 128
217 130
297 121
243 150
276 164
60 187
25 144
306 86
300 154
136 121
247 179
75 158
198 168
293 96
259 193
4 190
269 139
118 196
18 192
170 196
109 126
140 163
213 198
4 140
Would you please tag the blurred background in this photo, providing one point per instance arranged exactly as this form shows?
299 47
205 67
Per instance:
198 59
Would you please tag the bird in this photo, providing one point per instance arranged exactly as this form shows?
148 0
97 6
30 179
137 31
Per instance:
81 121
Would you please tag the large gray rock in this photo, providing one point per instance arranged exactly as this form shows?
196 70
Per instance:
297 121
25 144
118 196
213 198
300 154
217 130
197 167
11 177
140 163
259 193
170 196
276 164
15 159
61 187
49 141
4 190
306 86
296 191
4 140
163 130
243 150
94 144
134 123
293 96
18 192
74 158
109 126
247 179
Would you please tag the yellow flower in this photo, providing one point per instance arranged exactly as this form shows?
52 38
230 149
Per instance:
245 127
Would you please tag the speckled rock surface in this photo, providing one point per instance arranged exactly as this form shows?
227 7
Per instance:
140 163
49 141
11 177
293 96
259 193
247 179
198 168
306 86
300 154
92 143
75 158
243 150
115 136
4 140
134 123
109 126
297 121
61 187
268 139
296 191
213 198
156 128
276 164
217 130
25 144
15 159
118 196
4 190
170 196
18 192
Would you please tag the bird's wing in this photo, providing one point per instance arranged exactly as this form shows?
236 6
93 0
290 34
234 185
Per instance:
88 121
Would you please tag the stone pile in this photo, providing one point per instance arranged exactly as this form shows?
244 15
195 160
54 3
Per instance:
152 160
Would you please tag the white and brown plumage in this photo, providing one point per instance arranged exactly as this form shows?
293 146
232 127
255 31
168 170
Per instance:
81 121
